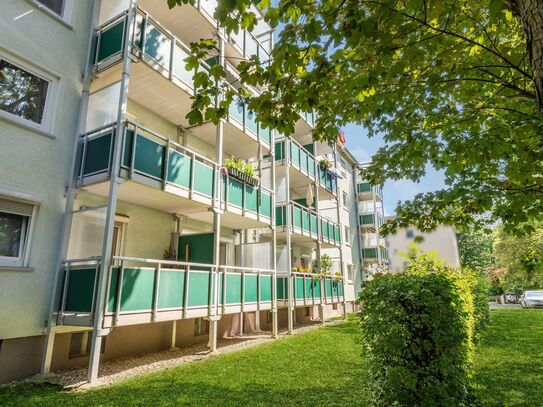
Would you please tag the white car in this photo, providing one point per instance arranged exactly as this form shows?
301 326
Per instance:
532 299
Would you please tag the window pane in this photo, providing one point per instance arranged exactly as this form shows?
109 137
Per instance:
22 93
53 5
11 227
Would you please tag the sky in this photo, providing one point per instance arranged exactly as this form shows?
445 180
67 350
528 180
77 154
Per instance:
363 148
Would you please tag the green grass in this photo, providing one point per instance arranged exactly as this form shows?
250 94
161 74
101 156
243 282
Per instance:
322 367
509 359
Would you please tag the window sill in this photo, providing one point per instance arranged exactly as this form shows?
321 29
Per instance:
50 13
25 126
14 268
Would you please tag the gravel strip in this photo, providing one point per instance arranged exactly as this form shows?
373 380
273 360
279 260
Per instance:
117 370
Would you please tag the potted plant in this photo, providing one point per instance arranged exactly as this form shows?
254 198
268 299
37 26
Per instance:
241 170
325 164
323 266
338 276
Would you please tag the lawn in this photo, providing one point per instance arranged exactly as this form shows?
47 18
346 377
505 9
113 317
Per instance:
322 367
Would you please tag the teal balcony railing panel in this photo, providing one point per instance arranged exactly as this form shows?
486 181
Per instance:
280 219
309 285
265 204
299 291
317 288
265 134
282 288
136 291
80 290
335 288
338 234
251 198
171 289
311 166
296 217
366 219
341 289
369 252
179 67
331 231
157 46
179 168
149 157
97 154
199 289
324 229
233 288
333 185
295 154
237 110
250 121
327 288
235 192
279 150
314 223
266 288
203 178
322 176
306 221
110 41
251 283
303 160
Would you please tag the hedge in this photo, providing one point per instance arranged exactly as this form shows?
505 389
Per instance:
417 333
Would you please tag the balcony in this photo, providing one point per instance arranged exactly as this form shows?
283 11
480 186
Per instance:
370 254
307 227
368 221
167 176
303 169
309 290
366 191
142 291
160 81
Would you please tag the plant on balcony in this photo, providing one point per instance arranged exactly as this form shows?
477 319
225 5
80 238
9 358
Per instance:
325 164
323 266
302 269
241 170
338 276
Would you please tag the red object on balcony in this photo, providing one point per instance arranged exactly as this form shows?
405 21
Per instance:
341 137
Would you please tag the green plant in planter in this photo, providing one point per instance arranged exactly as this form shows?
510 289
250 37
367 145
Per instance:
338 276
325 163
323 266
242 167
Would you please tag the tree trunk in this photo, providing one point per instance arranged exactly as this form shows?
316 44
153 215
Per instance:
530 13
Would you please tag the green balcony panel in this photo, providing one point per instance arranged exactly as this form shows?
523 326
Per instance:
198 289
179 168
137 289
265 204
307 225
295 154
338 234
280 150
366 219
322 176
282 288
327 288
324 228
370 253
233 288
250 121
266 287
317 288
299 291
308 287
314 223
265 134
149 155
363 187
297 217
235 192
303 160
333 185
171 288
335 288
157 46
97 154
331 231
309 148
179 67
280 219
203 178
80 290
110 41
197 248
250 293
311 166
237 110
341 289
251 198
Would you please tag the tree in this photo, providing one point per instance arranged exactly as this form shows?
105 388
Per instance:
456 84
520 258
475 247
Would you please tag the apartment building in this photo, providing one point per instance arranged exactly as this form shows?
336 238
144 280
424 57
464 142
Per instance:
375 256
43 51
132 231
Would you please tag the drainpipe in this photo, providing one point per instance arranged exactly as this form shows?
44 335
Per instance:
319 245
70 197
358 227
275 322
341 231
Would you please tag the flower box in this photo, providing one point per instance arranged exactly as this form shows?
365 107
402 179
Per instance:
242 177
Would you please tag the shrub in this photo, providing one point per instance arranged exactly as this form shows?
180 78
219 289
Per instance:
416 334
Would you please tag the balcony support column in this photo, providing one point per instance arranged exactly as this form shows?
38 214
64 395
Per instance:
290 285
105 266
45 367
213 332
275 322
174 334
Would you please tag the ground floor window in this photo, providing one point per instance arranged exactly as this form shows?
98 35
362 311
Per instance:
15 221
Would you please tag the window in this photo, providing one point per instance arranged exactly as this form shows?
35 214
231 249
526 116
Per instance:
347 235
15 219
345 199
350 272
409 234
201 326
56 6
24 95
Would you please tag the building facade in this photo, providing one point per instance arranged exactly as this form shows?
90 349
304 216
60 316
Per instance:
140 232
442 242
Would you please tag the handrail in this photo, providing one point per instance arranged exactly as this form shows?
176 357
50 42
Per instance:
310 211
284 139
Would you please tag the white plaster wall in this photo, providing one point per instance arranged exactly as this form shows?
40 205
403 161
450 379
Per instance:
33 164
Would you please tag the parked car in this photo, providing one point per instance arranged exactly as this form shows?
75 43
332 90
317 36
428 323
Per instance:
510 298
532 299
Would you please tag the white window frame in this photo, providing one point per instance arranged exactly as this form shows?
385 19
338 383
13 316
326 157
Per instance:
350 272
347 233
23 259
345 197
50 98
65 17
